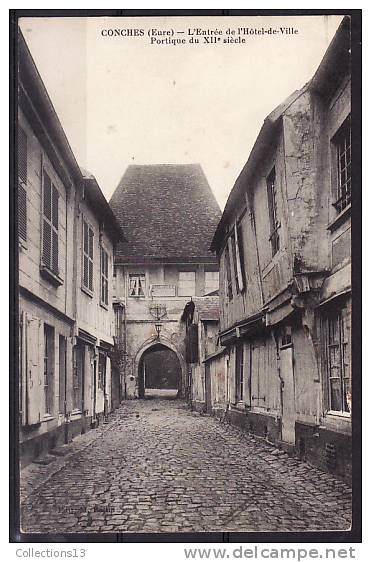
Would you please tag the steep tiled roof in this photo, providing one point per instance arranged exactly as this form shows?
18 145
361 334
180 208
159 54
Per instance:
207 308
167 212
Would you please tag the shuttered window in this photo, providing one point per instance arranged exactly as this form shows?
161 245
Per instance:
104 276
273 212
50 224
22 184
88 256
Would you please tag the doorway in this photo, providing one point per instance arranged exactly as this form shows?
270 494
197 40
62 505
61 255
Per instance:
159 373
288 394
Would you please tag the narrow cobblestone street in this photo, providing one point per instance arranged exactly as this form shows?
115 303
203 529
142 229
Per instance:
158 467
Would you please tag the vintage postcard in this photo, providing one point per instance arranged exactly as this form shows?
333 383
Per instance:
183 334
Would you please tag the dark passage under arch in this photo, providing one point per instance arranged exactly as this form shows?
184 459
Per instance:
159 372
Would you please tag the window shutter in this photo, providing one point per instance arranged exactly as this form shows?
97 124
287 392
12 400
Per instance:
86 271
22 183
34 371
91 238
22 155
47 196
47 243
239 264
86 239
22 212
55 252
90 275
55 202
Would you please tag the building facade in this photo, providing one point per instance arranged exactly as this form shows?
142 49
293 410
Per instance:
66 234
284 246
200 323
168 214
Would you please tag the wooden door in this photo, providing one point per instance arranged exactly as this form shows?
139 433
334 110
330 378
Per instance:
208 389
288 395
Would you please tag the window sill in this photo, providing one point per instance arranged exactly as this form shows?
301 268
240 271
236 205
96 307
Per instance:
50 276
103 305
87 291
342 415
340 218
47 417
76 413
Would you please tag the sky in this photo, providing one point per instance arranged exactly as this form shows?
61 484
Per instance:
123 100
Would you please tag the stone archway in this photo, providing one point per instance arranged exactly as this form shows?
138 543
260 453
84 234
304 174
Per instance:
153 345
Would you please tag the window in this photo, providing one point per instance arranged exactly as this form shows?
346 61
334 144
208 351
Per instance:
22 184
239 373
272 205
137 284
50 225
62 374
104 276
338 363
211 281
229 291
88 256
48 368
342 141
234 260
187 284
240 257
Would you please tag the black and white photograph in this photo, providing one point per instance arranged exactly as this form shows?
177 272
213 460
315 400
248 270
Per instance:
183 281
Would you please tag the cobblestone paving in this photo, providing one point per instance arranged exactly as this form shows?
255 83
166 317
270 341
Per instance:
157 467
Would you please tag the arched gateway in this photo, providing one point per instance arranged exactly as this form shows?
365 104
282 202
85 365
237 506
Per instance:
160 370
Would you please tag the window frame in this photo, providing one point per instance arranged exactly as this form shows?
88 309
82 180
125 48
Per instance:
104 277
141 276
87 288
337 316
342 198
274 238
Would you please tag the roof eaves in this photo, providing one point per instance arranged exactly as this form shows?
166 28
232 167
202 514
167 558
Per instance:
36 89
102 208
264 138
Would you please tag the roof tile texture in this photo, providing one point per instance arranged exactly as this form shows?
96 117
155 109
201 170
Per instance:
165 211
